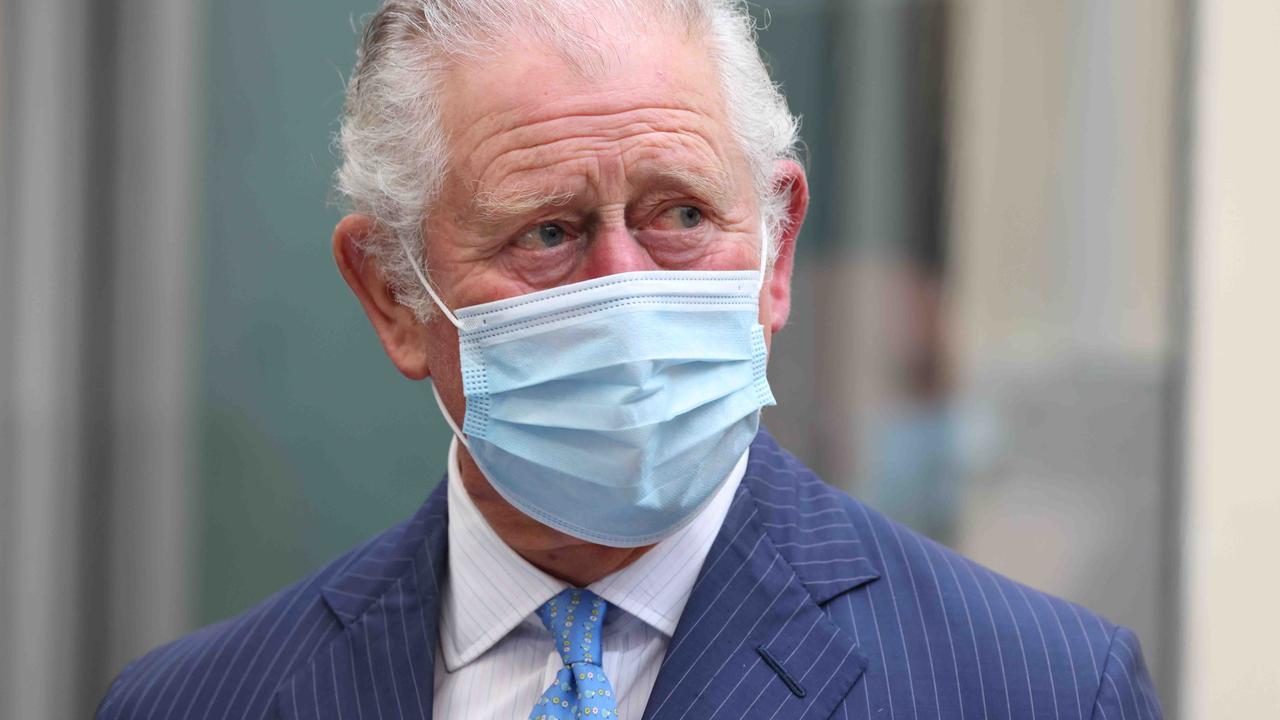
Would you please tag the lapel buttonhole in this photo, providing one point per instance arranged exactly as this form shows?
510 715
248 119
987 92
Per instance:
776 666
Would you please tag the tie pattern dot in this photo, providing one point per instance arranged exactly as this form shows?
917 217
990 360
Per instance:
575 619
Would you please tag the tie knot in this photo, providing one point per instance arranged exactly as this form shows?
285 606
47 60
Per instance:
574 618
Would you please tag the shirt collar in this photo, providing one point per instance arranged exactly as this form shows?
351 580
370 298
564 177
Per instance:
490 589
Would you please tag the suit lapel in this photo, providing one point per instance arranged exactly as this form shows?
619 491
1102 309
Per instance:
382 664
753 640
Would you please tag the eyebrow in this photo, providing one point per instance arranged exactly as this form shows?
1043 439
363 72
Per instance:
714 188
497 207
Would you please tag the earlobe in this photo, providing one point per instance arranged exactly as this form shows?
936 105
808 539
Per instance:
403 338
789 180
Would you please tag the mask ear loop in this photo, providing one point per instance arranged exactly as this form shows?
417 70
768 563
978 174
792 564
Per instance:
444 411
447 417
426 284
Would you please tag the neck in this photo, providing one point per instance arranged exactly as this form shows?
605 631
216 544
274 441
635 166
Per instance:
562 556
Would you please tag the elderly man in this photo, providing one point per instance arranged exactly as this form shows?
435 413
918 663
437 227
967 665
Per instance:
577 219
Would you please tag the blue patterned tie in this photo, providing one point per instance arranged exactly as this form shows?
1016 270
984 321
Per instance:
580 690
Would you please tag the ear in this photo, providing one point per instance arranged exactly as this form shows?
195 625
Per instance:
789 180
402 336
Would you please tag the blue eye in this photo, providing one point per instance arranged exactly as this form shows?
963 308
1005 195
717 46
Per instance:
544 236
550 235
689 216
679 217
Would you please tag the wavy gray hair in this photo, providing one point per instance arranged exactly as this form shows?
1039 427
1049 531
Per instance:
393 145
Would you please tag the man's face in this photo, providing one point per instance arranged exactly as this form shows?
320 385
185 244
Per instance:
557 177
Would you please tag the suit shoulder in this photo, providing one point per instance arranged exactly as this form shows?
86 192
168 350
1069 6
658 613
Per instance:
912 559
956 603
923 609
917 567
1050 650
234 666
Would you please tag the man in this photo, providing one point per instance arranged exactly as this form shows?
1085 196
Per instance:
577 219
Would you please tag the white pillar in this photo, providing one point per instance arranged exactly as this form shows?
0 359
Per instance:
1231 587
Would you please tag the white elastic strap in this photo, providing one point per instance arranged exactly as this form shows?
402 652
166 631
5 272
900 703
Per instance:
430 291
447 417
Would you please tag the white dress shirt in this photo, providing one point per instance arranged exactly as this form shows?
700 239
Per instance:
496 658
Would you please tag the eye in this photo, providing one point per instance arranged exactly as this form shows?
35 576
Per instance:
542 237
680 217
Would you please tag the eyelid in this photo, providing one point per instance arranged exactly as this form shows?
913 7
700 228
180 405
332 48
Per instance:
665 208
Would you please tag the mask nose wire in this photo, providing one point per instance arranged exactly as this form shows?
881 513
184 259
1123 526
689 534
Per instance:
426 284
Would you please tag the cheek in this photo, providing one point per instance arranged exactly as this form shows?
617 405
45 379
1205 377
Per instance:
731 253
442 356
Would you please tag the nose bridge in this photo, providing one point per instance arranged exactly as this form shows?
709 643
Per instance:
615 250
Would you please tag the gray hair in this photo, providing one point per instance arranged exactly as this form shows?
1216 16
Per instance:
393 146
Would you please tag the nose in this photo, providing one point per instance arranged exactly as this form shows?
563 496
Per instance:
614 250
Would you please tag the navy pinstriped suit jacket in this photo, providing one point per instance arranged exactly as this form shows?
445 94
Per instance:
858 618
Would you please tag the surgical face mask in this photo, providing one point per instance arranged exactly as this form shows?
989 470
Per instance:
613 409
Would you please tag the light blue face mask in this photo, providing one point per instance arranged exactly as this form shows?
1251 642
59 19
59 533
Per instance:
612 409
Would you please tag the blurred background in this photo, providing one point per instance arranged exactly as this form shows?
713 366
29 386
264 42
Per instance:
1033 317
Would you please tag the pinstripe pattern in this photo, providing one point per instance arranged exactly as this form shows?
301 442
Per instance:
865 618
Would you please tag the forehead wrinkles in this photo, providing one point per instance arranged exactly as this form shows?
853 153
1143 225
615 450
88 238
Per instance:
687 136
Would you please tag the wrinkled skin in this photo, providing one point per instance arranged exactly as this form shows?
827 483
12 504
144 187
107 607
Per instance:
557 177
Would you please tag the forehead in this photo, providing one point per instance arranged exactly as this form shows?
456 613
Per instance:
654 93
